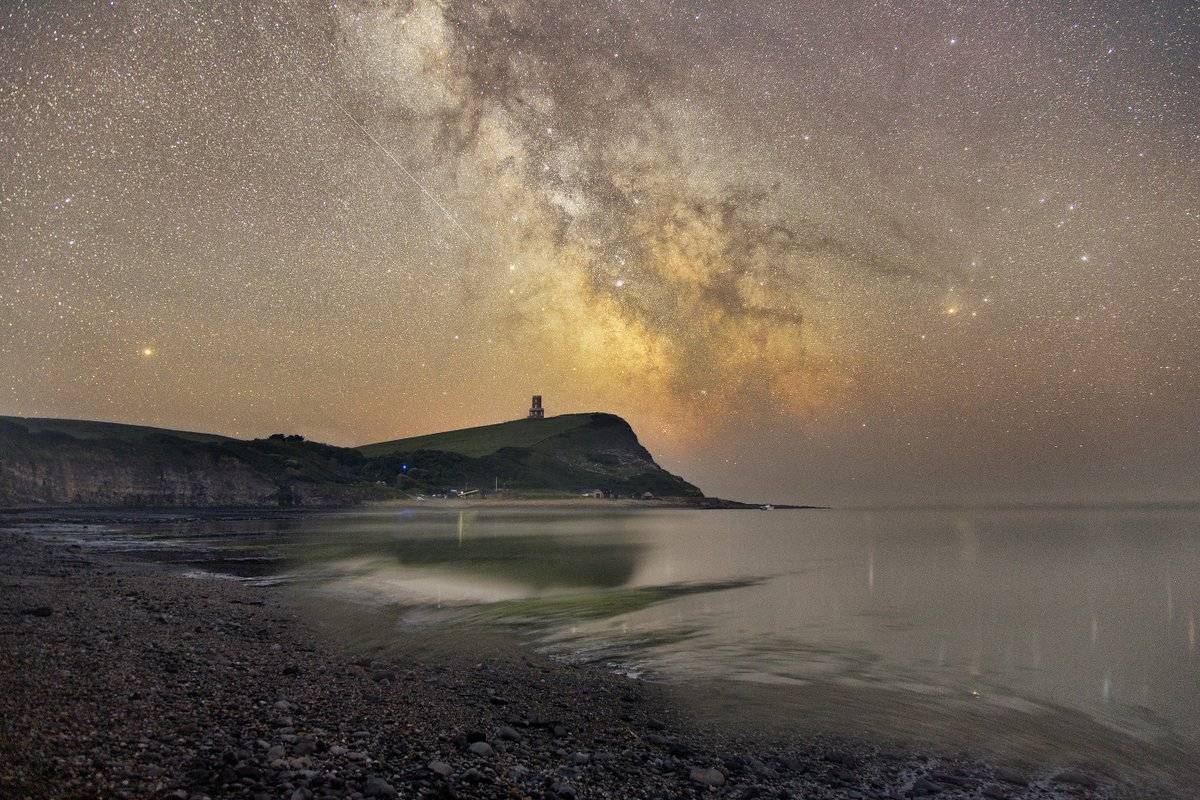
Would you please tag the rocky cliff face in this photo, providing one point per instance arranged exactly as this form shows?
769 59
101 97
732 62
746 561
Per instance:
608 448
95 475
55 468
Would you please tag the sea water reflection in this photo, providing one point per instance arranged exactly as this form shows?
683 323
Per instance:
963 625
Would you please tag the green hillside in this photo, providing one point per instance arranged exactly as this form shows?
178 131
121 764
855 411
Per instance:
484 440
87 429
568 453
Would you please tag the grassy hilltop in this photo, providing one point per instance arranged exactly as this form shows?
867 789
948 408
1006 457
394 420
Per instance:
568 453
87 429
483 440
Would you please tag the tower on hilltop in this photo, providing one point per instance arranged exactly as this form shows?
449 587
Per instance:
535 409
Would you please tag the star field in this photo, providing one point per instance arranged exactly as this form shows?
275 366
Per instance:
831 252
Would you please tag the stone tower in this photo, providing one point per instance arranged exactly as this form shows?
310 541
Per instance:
535 409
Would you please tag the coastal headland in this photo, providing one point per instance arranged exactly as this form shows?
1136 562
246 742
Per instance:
567 460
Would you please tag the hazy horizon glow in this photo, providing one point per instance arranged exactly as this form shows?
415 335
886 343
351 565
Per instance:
813 252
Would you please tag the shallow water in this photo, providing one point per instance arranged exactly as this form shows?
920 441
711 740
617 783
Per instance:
1018 631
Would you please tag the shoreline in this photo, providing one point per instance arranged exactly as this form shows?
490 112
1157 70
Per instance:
122 680
134 514
586 503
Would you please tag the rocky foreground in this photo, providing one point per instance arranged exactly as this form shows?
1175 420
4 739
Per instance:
121 680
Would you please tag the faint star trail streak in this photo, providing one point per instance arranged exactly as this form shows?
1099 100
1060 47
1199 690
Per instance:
314 77
370 137
425 190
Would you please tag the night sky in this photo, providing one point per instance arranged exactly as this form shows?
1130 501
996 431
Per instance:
834 252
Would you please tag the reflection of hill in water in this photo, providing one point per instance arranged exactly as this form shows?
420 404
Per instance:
539 562
535 561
